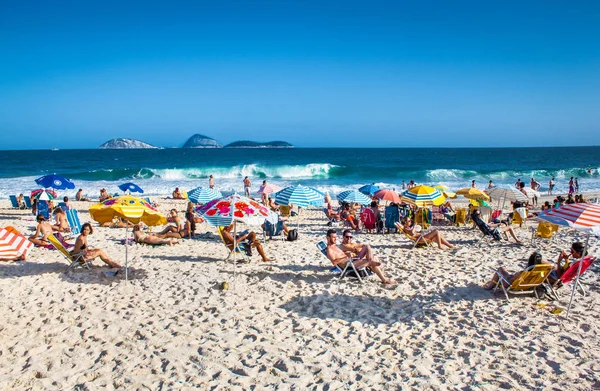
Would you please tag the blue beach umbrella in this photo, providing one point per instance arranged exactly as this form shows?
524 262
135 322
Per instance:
299 195
202 195
131 187
55 181
353 196
369 189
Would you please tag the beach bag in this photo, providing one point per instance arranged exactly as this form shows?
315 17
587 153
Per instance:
292 235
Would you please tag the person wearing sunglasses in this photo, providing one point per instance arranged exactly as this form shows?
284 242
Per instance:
338 257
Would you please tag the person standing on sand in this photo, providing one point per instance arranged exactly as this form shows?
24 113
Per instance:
211 182
247 187
550 186
571 186
576 182
403 185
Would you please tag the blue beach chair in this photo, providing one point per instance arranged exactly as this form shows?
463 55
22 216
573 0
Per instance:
74 223
27 202
43 209
13 201
392 216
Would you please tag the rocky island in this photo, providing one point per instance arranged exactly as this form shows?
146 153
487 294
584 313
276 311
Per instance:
254 144
201 141
125 143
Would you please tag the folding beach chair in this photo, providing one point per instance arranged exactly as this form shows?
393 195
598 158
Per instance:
460 217
488 233
544 230
349 270
27 202
418 241
570 275
75 261
367 216
423 217
271 230
74 223
63 206
392 216
527 282
43 209
519 216
239 248
13 202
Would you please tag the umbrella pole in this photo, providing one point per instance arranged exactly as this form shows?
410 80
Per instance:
578 274
126 245
234 246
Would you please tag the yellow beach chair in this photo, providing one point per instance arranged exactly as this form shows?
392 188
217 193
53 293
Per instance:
75 261
460 217
527 282
544 230
519 216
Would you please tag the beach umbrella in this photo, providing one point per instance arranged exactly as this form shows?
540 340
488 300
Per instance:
130 208
234 208
131 188
353 196
473 193
441 188
55 181
582 217
202 195
511 195
423 196
13 245
299 195
388 195
530 193
43 194
369 189
268 189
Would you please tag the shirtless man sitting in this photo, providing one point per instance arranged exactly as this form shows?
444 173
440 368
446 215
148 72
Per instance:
338 257
240 237
177 194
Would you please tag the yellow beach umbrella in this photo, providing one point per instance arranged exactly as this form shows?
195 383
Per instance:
441 188
423 196
449 194
130 208
473 194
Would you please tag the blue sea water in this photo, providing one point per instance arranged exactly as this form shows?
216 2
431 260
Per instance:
159 171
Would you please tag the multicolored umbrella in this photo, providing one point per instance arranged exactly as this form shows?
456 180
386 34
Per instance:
268 189
369 189
473 193
299 195
43 194
354 196
55 181
423 196
388 195
13 245
224 211
131 187
582 217
202 195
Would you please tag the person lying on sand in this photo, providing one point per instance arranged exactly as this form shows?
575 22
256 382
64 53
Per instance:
81 247
150 238
534 259
338 257
240 237
117 223
434 236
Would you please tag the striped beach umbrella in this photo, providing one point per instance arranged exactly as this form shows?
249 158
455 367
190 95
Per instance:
388 195
13 245
423 196
369 189
473 193
353 196
223 211
128 207
43 194
299 195
582 217
511 195
202 195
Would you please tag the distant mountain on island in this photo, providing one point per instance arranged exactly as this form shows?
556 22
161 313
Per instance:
201 141
254 144
125 143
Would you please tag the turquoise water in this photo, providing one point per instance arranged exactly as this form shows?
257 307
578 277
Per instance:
159 171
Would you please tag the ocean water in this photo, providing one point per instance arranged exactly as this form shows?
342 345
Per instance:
159 171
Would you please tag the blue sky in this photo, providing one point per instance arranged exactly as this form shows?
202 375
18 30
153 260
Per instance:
314 73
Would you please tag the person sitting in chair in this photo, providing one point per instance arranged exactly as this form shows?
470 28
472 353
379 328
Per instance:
240 237
476 216
433 236
81 247
21 201
150 238
576 252
348 214
534 259
62 224
338 257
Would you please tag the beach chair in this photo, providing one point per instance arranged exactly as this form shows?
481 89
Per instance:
349 270
13 202
526 283
423 217
63 206
544 230
271 230
367 216
436 214
27 202
43 209
418 241
570 275
519 216
74 223
239 248
392 216
460 217
75 261
488 233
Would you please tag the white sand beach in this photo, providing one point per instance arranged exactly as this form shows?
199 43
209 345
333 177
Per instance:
290 324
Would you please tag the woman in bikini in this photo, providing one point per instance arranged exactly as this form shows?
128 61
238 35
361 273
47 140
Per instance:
89 254
149 238
62 224
434 236
42 231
